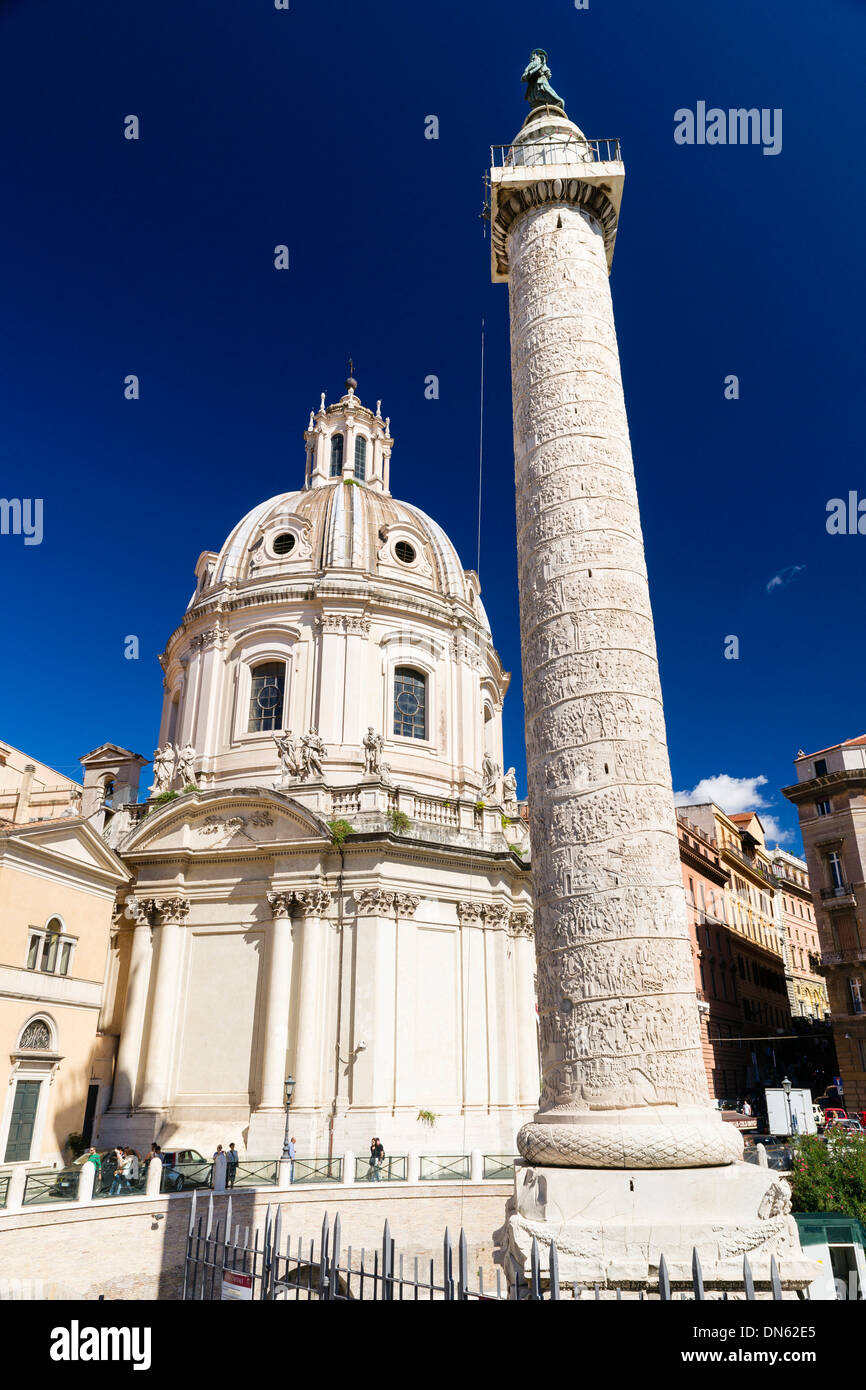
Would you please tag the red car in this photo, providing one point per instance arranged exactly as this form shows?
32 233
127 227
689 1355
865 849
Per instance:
834 1113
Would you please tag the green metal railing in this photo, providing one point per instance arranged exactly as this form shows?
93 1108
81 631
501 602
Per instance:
317 1170
499 1167
392 1170
255 1172
4 1188
51 1185
444 1169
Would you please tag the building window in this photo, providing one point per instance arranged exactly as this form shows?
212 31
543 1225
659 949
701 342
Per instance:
856 995
49 950
405 552
410 703
820 767
266 697
36 1037
823 808
284 544
361 458
336 455
834 864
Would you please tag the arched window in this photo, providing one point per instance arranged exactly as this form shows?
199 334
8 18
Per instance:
361 458
336 455
410 703
267 691
36 1037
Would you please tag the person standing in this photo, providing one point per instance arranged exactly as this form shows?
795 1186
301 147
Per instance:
232 1158
377 1158
92 1156
292 1152
218 1172
747 1109
154 1156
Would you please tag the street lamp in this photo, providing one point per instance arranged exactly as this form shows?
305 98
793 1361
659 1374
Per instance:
288 1087
786 1087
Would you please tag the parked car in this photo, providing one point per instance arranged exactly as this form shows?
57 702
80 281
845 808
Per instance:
834 1113
176 1165
817 1116
836 1127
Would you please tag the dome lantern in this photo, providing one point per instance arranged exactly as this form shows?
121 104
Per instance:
346 440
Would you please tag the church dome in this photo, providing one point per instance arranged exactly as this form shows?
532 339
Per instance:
343 525
331 611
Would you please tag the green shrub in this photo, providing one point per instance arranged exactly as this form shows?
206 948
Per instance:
75 1144
190 787
516 849
426 1117
340 832
162 797
398 821
830 1175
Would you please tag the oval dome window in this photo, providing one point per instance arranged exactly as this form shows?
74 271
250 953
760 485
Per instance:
284 543
404 552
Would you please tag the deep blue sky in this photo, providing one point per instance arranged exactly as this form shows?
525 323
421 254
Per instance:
260 127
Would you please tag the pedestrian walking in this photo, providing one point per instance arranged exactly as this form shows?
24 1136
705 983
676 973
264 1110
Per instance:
122 1168
218 1172
232 1159
292 1152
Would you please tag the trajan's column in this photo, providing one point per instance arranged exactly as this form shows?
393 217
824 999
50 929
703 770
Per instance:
626 1156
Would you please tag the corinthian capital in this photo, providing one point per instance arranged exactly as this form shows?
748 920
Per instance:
496 915
405 904
312 902
138 910
281 904
172 911
470 914
520 924
373 902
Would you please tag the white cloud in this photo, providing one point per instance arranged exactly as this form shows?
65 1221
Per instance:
733 794
736 794
774 832
784 577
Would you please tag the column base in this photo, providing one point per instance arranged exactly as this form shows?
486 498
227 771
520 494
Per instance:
611 1227
663 1136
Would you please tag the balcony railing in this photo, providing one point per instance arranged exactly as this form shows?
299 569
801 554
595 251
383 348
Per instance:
838 890
555 151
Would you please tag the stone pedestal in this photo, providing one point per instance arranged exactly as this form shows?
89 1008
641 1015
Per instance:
612 1226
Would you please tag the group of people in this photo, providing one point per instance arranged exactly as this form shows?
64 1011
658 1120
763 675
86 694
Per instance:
225 1167
377 1159
123 1168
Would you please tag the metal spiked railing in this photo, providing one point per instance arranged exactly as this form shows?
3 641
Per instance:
278 1268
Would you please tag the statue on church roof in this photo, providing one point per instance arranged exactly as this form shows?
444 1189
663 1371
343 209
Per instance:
537 78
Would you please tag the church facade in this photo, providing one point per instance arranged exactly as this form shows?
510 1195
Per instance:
330 877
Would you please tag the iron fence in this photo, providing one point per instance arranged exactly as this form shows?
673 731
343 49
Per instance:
553 151
180 1177
393 1169
435 1168
51 1185
254 1172
499 1167
222 1263
317 1170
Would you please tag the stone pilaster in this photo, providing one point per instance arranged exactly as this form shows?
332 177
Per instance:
170 913
278 1001
310 905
